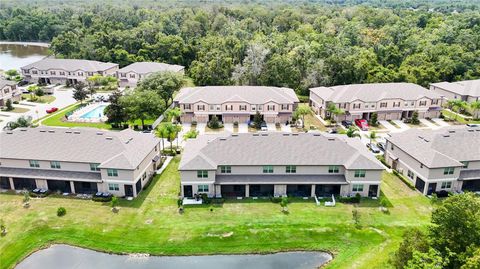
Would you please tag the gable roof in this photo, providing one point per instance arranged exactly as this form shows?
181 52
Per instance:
465 87
121 150
373 92
445 147
208 152
70 65
4 83
249 94
150 67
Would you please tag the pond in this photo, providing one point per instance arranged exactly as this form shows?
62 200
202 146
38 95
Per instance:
14 56
64 256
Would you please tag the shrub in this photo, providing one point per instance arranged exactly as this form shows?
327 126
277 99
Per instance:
101 199
194 123
356 218
9 106
381 158
350 200
61 211
214 123
277 124
415 119
114 202
206 200
179 202
276 200
402 178
235 124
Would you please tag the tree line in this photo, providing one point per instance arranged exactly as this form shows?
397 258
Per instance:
281 45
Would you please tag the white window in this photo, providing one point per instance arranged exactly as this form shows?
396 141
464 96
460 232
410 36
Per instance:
34 163
113 187
94 167
267 169
410 174
332 169
359 173
225 169
254 107
290 169
357 187
448 171
112 172
202 174
55 165
446 185
202 188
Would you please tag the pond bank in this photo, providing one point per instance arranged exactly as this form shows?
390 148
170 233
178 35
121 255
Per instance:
65 256
38 44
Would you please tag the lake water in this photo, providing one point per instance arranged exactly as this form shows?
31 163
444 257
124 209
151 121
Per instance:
64 256
14 56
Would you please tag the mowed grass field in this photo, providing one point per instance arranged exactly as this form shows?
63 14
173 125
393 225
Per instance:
152 224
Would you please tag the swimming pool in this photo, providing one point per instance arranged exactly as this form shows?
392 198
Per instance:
96 113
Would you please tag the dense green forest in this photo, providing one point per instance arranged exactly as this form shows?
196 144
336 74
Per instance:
263 42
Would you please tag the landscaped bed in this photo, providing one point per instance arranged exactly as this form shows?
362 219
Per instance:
151 224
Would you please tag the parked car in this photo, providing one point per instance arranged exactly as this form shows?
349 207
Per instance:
473 125
263 126
51 110
333 131
22 83
373 148
362 124
381 145
347 123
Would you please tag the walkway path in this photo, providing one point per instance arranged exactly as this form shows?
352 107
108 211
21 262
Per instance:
401 124
271 127
389 126
243 128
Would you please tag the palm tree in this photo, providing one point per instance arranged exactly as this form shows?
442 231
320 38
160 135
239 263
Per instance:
352 131
335 112
475 107
161 133
175 113
456 106
178 129
302 111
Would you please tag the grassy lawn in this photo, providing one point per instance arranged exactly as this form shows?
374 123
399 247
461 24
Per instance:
312 121
459 118
46 99
151 224
58 119
17 109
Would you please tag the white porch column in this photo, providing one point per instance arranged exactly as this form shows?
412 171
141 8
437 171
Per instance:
181 191
279 190
72 187
218 191
313 191
11 183
247 190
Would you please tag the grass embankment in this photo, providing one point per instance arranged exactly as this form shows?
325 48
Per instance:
457 117
58 119
17 109
152 224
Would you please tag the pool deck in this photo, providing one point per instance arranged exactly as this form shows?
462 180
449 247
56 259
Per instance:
77 115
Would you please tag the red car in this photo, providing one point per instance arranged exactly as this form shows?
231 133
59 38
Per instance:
51 110
362 124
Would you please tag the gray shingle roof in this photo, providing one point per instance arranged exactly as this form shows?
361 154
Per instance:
4 82
150 67
249 94
70 65
465 87
207 152
373 92
50 174
121 150
445 147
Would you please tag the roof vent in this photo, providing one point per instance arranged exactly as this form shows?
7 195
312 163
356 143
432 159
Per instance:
43 131
256 135
23 130
99 133
451 131
68 132
471 130
234 135
295 134
109 138
286 134
9 132
316 134
76 132
421 137
222 139
331 139
426 140
51 131
264 134
446 136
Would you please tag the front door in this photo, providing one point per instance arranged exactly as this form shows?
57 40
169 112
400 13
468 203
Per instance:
128 190
187 191
394 164
431 188
372 190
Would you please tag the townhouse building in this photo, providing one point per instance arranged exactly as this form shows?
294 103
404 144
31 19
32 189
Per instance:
66 71
236 103
278 164
467 90
130 75
9 91
447 159
77 160
391 101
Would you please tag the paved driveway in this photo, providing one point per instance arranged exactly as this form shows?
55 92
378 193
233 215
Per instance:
440 122
201 128
389 126
243 128
271 127
63 99
228 127
286 128
401 124
429 124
